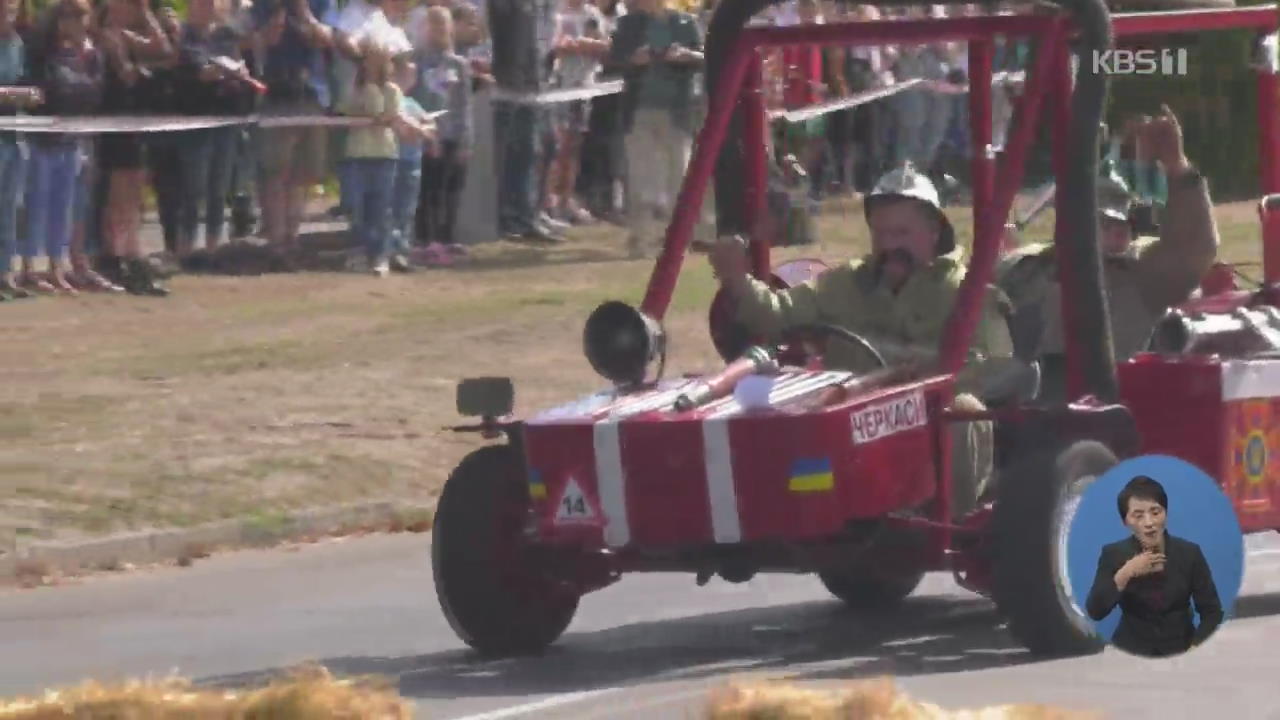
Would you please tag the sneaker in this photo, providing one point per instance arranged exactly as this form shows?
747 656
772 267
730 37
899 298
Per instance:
457 249
89 280
164 264
11 290
110 267
381 268
401 264
540 234
140 279
577 216
553 224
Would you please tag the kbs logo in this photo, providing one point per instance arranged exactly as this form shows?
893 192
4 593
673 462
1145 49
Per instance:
1140 62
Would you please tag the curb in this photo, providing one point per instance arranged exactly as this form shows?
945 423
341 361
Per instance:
186 544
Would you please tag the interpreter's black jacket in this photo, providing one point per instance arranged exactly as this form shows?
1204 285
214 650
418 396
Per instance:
1156 618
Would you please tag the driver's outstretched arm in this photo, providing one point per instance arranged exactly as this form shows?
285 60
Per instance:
769 312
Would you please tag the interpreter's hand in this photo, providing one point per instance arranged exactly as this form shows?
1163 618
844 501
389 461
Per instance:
643 56
1146 562
1161 138
728 257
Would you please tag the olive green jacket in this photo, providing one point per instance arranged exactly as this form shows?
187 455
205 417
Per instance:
904 327
1142 284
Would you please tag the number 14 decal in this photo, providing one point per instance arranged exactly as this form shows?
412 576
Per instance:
574 506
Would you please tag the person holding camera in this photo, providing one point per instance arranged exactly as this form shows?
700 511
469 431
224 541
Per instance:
296 75
215 81
658 51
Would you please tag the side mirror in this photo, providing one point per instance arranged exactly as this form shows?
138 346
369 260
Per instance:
486 397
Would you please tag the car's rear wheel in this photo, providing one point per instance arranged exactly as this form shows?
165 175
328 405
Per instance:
883 573
495 597
871 588
1037 501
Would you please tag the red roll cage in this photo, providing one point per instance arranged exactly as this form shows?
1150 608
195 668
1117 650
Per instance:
1049 83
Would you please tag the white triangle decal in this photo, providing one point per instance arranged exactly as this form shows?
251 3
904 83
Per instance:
574 507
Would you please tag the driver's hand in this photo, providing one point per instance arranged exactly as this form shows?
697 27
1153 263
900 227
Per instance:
728 256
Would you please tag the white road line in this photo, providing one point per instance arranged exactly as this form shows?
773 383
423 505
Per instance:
630 709
544 704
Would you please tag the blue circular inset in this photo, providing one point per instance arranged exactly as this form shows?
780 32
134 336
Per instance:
1198 512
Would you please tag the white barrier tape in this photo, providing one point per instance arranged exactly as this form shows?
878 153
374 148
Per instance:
102 124
830 106
862 98
558 96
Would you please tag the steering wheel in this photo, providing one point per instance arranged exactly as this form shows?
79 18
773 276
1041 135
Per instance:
827 331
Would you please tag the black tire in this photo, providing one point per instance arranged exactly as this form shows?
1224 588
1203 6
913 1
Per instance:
882 574
494 598
1033 511
868 590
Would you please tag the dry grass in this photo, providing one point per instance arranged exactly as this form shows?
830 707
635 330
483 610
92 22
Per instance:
257 395
310 693
876 699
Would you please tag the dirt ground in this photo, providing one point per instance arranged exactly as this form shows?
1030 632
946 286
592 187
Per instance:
248 396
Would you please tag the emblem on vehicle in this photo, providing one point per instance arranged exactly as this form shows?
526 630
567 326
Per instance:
888 418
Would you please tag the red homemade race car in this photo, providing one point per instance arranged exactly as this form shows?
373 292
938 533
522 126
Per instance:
844 475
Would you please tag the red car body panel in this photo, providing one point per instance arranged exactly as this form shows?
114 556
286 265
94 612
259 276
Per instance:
654 478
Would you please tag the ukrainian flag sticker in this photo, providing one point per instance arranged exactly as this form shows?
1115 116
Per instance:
812 475
537 489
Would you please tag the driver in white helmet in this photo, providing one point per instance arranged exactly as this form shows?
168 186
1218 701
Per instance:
898 297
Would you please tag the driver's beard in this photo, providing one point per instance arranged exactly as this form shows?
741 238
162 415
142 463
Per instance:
894 267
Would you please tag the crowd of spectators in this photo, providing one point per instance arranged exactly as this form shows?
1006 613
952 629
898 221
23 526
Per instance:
413 69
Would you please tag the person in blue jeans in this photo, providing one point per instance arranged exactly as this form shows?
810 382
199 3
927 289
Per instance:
69 70
13 151
416 137
374 154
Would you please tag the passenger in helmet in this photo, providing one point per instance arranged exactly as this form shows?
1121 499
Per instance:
1143 277
898 297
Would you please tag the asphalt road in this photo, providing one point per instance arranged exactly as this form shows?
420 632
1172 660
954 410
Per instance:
647 647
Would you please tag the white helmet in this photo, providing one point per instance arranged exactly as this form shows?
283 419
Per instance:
906 182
